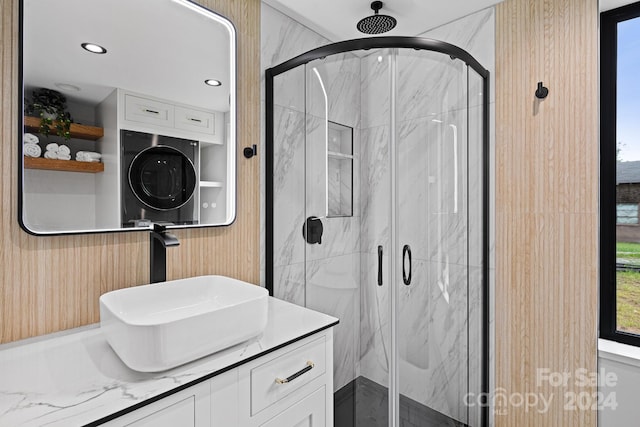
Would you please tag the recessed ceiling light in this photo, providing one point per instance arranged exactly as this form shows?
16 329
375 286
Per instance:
93 48
67 87
213 82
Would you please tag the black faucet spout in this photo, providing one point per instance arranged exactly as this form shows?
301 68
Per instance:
160 239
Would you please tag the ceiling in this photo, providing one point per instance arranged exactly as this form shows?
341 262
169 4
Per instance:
162 49
337 19
158 48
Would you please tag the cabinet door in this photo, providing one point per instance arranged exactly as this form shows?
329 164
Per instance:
224 400
309 412
195 120
187 408
144 110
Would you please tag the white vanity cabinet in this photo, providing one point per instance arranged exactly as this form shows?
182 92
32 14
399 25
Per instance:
254 394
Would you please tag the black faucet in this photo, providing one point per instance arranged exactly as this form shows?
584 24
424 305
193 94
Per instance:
160 240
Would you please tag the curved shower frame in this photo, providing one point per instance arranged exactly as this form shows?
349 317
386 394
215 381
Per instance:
368 43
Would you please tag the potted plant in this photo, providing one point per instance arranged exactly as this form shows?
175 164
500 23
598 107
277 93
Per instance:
50 105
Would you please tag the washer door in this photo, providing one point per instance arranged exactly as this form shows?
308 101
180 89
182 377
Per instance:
162 178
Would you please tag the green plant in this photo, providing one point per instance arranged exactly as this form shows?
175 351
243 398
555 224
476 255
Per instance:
50 105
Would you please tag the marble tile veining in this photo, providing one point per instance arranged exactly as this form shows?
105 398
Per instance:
289 189
333 288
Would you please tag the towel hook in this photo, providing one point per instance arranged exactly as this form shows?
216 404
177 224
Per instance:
541 91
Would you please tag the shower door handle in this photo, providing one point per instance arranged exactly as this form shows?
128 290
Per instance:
406 250
380 265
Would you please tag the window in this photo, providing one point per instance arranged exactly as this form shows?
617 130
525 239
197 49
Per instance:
626 213
620 175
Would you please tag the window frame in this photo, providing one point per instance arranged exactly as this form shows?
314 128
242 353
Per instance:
609 21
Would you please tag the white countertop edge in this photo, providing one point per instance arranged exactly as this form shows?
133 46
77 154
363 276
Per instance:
75 378
619 352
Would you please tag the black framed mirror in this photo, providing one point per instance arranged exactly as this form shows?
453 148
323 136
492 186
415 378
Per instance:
94 73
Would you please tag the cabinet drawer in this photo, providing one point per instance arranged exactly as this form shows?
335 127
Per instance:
309 412
265 390
180 413
143 110
195 121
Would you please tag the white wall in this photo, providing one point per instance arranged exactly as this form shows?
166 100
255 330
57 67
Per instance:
619 384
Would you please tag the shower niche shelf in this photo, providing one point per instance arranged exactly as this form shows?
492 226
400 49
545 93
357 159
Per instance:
340 170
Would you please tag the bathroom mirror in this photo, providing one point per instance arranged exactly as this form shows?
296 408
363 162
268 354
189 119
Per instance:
129 116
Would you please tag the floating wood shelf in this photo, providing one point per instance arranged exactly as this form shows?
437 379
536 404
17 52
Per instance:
62 165
92 133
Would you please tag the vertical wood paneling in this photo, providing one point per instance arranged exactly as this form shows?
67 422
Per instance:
52 283
546 205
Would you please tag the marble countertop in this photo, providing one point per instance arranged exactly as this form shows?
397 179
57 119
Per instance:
73 379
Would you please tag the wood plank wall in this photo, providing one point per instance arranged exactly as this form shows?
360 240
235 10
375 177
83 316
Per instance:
546 205
49 284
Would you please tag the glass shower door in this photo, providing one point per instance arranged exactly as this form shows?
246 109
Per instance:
433 274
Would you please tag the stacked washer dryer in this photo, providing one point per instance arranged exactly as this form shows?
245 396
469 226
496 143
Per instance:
159 179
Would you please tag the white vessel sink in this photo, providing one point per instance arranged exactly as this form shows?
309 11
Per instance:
157 327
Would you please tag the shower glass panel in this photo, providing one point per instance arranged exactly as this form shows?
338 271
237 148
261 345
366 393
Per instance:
378 208
333 270
431 122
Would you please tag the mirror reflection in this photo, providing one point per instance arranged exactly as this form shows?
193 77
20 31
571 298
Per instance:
129 115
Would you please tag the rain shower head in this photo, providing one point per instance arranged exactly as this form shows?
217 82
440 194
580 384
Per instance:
376 24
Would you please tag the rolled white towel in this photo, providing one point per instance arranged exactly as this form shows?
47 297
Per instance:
32 150
85 159
63 149
53 147
61 156
89 154
50 154
30 138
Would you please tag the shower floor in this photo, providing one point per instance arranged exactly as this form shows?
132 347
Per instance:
363 403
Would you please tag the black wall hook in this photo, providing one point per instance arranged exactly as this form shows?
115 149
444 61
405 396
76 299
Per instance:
541 92
249 152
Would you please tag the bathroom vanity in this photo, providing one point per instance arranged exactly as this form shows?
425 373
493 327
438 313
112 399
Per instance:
75 379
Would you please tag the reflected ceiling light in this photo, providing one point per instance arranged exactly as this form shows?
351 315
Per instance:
67 87
93 48
213 82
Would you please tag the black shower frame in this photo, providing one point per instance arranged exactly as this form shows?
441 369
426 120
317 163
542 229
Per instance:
368 43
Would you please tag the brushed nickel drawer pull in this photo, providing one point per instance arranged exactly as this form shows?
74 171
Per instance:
307 368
